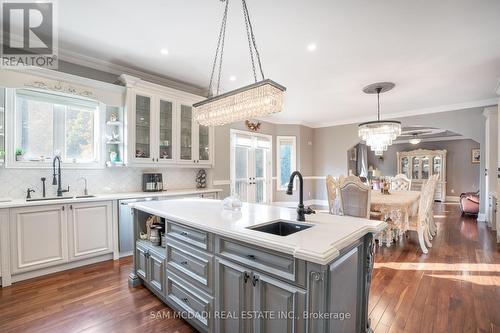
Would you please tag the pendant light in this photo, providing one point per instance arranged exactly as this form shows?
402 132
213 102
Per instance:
379 134
415 140
259 99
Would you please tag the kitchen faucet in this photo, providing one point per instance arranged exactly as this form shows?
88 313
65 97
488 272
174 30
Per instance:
85 191
301 210
58 181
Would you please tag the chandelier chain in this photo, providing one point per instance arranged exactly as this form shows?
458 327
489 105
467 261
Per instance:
221 36
245 8
219 52
245 15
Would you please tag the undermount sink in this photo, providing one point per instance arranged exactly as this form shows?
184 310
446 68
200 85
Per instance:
85 196
50 198
281 228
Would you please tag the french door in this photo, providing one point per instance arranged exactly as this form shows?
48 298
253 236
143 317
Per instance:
251 166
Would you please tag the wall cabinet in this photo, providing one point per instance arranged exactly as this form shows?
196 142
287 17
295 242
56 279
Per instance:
161 127
44 236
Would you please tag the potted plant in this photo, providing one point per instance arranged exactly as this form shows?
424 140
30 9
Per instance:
19 154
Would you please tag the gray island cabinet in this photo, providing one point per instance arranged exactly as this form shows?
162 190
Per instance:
222 276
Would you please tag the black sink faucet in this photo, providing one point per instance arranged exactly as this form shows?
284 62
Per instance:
57 181
301 210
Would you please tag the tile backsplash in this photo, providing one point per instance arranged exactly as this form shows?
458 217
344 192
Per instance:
14 182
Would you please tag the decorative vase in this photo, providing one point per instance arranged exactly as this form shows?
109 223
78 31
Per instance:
113 156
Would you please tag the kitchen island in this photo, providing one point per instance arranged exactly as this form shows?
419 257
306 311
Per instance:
257 270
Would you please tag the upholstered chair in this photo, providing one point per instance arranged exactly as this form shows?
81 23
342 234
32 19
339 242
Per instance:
354 197
332 187
400 183
421 222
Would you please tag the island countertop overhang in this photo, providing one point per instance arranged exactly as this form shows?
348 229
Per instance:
320 244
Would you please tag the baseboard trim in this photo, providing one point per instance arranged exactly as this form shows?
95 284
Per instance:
49 270
451 198
481 217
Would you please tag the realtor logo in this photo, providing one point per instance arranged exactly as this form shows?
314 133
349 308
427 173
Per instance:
28 35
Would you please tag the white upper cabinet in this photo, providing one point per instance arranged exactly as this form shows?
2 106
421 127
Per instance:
161 127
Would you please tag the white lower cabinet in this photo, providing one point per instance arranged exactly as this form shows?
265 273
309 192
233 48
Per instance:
89 229
38 237
44 236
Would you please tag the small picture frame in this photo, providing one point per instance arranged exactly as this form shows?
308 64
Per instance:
476 156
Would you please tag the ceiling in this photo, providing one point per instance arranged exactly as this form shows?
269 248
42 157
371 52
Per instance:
425 133
442 55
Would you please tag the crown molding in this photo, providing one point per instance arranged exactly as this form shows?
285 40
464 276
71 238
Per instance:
444 138
111 68
409 113
490 111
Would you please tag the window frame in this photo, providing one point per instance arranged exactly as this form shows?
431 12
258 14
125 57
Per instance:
293 158
11 131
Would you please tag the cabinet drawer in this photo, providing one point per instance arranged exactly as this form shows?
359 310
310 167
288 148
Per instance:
196 266
281 265
189 235
191 300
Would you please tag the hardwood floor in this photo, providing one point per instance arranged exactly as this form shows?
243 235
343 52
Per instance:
455 288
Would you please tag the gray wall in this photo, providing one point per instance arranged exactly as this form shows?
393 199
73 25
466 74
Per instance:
462 175
332 143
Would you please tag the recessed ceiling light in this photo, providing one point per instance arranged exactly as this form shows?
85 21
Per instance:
232 78
311 47
164 51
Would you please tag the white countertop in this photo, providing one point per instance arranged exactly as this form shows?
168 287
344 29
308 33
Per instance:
103 197
319 244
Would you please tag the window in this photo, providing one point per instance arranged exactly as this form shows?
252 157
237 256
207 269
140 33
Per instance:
46 124
286 159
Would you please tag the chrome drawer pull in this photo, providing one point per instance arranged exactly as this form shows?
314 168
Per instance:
184 262
185 300
184 233
251 256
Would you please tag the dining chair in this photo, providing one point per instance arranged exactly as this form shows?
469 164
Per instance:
400 183
420 223
332 186
432 223
354 197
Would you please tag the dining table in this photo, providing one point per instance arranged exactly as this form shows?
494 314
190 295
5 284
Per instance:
397 207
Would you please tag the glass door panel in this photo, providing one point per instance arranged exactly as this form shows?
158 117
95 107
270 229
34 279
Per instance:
425 168
415 162
241 171
142 127
251 168
186 144
166 130
405 167
260 175
437 165
204 143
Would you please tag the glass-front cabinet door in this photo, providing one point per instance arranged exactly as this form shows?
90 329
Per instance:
405 166
186 133
425 167
143 128
415 163
437 165
204 143
166 131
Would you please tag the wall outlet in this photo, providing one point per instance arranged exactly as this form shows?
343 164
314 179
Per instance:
308 194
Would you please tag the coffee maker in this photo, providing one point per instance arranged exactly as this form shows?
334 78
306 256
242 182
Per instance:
152 182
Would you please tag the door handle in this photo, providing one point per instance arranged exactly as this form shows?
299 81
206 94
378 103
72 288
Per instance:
251 257
184 262
246 276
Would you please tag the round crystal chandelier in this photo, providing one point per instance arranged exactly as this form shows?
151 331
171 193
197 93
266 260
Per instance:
261 98
415 140
379 134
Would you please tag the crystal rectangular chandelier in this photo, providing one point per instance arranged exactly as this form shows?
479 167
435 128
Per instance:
252 101
259 99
